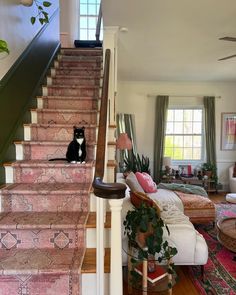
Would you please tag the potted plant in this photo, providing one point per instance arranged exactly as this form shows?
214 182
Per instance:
137 163
144 229
209 170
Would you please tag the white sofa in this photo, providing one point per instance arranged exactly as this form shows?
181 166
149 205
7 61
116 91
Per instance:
191 246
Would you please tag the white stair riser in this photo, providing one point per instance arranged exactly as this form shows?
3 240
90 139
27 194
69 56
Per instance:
9 174
89 284
91 238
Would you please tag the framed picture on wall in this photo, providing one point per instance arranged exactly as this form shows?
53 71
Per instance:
228 131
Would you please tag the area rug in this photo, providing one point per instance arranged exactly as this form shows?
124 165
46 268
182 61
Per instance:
220 270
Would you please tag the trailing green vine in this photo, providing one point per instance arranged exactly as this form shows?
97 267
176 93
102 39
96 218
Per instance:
42 15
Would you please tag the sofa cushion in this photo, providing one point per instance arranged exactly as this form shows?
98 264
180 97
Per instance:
133 183
146 182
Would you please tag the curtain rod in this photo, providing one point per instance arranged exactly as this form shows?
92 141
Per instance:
198 96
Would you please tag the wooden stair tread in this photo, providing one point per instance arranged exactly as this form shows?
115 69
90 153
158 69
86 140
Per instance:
89 262
91 222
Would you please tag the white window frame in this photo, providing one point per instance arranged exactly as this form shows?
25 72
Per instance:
194 163
88 16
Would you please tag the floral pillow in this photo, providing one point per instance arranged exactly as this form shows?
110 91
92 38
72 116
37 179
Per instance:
146 182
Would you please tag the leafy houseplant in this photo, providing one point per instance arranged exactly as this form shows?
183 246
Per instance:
145 220
137 163
210 170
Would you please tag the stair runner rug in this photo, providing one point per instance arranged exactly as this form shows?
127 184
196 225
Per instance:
220 270
46 206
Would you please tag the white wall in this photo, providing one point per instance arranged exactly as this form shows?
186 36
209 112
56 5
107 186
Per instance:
132 98
69 22
16 29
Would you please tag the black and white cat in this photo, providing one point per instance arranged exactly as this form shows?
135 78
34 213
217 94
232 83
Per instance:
76 151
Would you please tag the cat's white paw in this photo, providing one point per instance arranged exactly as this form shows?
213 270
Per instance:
83 162
78 162
73 162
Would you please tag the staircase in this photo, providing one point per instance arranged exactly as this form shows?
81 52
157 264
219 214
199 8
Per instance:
45 205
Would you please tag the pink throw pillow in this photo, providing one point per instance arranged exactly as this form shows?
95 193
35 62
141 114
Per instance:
146 182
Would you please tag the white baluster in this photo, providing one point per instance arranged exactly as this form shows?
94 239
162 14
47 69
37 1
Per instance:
116 282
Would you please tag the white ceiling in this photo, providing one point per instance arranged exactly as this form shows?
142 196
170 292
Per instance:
174 40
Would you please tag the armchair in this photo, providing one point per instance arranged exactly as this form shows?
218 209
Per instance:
232 180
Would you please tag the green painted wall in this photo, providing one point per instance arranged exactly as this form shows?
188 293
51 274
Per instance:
21 84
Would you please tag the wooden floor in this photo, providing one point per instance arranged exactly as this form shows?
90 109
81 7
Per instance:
184 286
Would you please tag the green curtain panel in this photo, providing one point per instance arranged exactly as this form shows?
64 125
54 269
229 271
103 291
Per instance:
210 129
162 102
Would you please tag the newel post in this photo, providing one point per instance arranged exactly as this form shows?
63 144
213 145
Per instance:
116 281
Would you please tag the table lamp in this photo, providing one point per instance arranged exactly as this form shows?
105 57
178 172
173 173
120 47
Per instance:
123 143
167 164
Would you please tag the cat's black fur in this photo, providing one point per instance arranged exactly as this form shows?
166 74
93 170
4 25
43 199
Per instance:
76 151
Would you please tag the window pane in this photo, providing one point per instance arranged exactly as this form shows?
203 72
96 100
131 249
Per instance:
178 115
196 154
178 128
170 115
188 153
83 1
169 128
92 22
169 142
197 115
188 128
83 22
197 128
188 115
197 141
178 141
83 9
91 34
168 152
178 153
83 34
92 9
188 141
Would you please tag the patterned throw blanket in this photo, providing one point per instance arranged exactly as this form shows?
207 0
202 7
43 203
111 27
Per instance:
198 208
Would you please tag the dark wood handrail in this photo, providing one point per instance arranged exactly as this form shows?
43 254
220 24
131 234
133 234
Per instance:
101 189
99 21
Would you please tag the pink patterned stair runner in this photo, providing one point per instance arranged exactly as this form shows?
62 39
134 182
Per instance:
45 210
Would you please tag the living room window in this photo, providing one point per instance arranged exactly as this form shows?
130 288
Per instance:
89 10
184 134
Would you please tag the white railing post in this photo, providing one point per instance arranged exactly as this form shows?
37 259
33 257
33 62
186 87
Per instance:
100 246
110 35
116 281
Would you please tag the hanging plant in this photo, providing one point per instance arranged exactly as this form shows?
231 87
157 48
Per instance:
4 47
42 15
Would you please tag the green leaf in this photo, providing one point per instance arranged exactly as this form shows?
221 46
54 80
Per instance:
33 19
41 20
40 8
4 47
46 3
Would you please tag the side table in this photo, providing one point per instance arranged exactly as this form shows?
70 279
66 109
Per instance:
227 233
141 282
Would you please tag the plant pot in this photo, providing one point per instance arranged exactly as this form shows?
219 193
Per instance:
27 2
208 174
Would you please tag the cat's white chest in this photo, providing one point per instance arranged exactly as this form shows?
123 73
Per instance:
80 141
